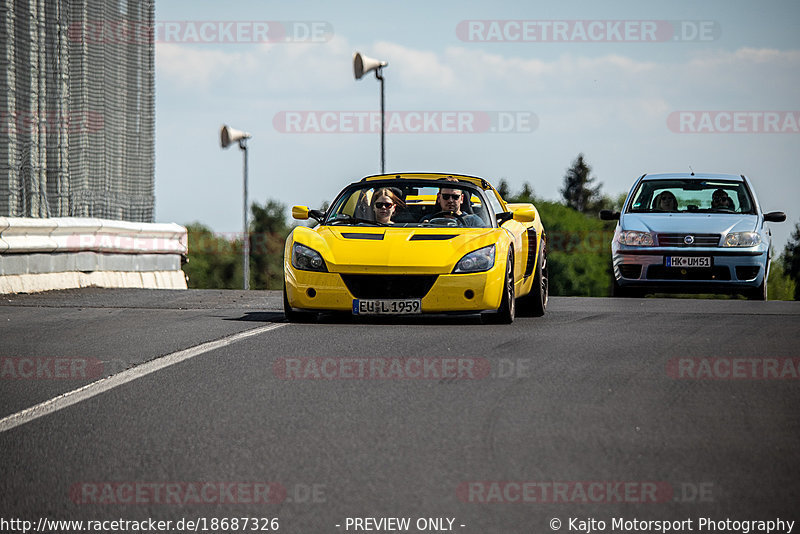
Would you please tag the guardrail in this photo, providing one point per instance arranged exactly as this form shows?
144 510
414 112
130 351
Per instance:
69 252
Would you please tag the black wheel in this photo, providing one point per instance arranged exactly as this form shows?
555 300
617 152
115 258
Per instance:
624 292
508 304
295 316
534 303
759 293
616 289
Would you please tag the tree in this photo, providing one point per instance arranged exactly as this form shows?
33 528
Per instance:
526 195
607 202
791 260
267 238
578 192
502 188
213 262
578 248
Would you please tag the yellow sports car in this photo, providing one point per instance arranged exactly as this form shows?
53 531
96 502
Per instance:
406 244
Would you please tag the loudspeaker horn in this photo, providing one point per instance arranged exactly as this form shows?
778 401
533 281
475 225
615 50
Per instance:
363 64
228 136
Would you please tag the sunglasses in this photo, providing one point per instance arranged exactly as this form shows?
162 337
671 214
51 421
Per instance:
383 205
451 196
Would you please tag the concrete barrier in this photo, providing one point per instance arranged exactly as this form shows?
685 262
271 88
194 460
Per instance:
70 252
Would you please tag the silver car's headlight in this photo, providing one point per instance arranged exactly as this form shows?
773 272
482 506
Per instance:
307 259
635 239
476 261
741 239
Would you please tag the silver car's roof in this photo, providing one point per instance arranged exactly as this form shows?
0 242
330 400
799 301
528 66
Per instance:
694 176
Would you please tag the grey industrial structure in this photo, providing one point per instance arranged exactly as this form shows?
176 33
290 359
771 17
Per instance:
77 109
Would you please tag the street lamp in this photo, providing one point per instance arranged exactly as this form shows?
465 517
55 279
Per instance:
361 66
227 137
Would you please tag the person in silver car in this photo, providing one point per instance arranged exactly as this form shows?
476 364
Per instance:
721 200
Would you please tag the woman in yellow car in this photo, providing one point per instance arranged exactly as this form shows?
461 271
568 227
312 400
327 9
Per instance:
384 202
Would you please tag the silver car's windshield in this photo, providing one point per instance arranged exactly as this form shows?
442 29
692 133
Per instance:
693 196
404 204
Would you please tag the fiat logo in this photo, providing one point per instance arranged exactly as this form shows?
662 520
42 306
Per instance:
689 239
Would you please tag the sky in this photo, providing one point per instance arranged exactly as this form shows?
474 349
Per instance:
510 90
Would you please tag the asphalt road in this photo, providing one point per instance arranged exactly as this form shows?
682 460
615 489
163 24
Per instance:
652 409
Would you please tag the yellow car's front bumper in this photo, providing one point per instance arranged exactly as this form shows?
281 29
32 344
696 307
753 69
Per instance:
307 290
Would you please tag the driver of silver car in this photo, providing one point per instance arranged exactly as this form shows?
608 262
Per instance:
721 200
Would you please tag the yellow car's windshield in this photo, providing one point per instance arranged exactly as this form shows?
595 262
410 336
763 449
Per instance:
402 203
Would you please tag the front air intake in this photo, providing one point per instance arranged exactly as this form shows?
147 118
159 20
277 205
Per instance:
388 286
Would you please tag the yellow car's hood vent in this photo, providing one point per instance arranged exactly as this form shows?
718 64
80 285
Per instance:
431 237
362 235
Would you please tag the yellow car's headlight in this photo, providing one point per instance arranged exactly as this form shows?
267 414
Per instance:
476 261
307 259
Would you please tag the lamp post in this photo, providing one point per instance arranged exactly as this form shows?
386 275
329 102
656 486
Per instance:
229 136
362 65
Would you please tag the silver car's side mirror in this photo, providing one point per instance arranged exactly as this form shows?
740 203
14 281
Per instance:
775 216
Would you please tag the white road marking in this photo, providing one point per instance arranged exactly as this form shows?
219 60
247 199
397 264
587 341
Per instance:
96 388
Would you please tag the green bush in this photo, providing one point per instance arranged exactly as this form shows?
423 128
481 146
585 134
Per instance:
578 248
579 251
213 261
780 286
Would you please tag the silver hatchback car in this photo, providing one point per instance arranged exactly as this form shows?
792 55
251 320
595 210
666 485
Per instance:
691 233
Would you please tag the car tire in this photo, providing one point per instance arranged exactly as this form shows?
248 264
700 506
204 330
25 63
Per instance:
508 304
534 304
759 293
618 291
293 316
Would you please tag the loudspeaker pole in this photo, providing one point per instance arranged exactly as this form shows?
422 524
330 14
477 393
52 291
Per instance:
228 136
379 75
246 251
361 66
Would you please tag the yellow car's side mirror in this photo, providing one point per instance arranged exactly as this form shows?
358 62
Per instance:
525 214
300 212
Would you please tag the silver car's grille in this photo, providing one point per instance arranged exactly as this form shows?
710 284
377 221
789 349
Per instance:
688 240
